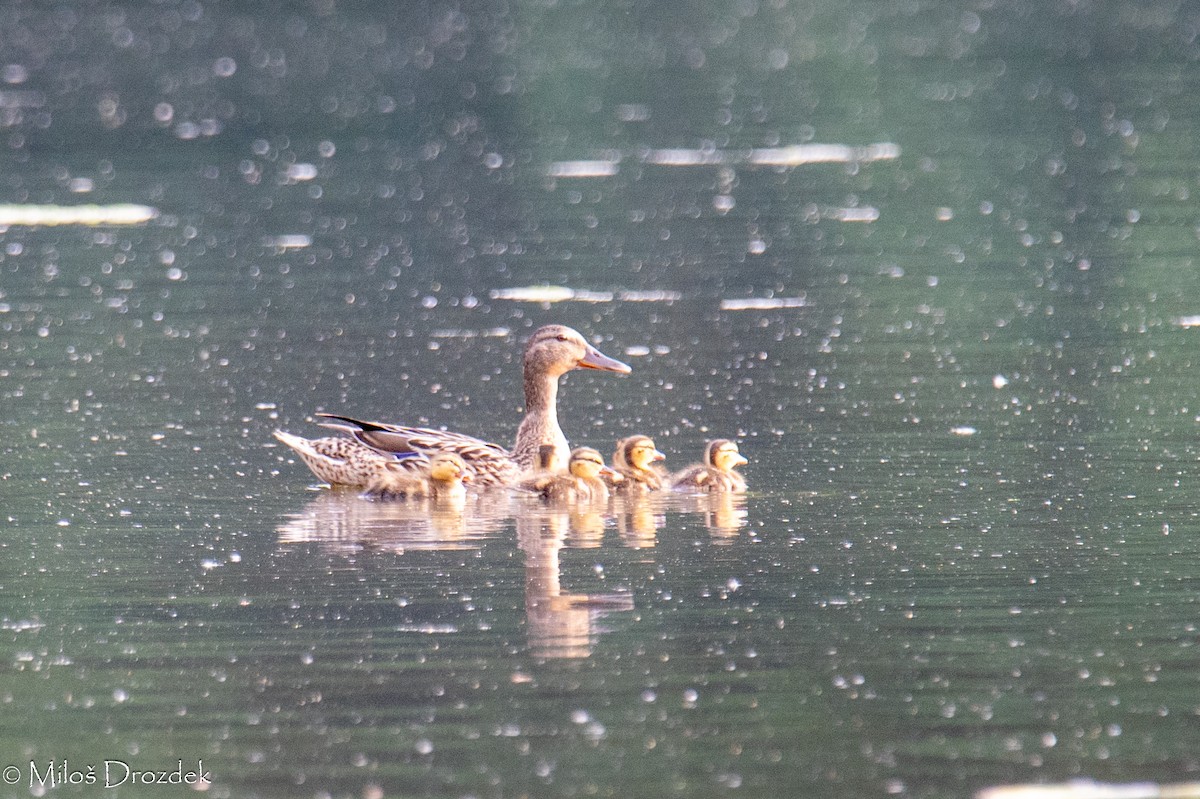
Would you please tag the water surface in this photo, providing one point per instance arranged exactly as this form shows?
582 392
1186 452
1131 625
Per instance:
931 265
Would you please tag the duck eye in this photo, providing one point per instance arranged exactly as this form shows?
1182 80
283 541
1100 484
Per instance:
561 337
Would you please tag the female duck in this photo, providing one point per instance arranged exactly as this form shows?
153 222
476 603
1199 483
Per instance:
580 483
442 480
552 351
716 473
635 460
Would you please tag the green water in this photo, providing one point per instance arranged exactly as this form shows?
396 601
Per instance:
962 372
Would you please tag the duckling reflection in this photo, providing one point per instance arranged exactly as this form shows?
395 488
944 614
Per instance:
724 512
560 624
639 517
716 472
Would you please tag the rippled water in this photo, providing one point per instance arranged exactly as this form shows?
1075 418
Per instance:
931 265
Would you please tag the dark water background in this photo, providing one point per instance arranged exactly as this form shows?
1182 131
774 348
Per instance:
957 348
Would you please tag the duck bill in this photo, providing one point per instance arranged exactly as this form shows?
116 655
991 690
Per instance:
610 473
658 456
739 460
595 359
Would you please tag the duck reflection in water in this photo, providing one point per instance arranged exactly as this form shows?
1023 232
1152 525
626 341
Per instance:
342 521
560 624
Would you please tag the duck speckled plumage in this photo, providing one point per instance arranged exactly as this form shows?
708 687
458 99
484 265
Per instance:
716 472
580 483
551 352
636 460
442 479
340 461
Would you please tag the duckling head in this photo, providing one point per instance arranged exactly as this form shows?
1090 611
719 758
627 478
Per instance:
555 350
723 455
446 467
587 463
638 452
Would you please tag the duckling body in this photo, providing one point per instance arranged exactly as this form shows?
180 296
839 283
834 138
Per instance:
580 483
716 472
442 480
636 459
551 352
339 461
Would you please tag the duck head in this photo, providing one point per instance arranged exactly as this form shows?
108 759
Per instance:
555 350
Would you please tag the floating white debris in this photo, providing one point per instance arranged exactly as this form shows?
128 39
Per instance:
637 351
762 303
999 381
288 241
565 294
1188 321
963 430
550 294
686 157
533 294
800 154
649 296
51 215
454 332
582 169
857 214
791 155
21 625
427 629
1089 789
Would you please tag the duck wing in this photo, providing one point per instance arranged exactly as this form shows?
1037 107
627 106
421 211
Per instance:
491 463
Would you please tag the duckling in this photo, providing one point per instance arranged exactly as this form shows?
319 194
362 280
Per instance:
443 480
339 461
552 351
635 460
581 482
716 473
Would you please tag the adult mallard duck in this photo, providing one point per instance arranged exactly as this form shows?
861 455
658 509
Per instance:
340 461
635 460
442 479
716 473
552 351
580 483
